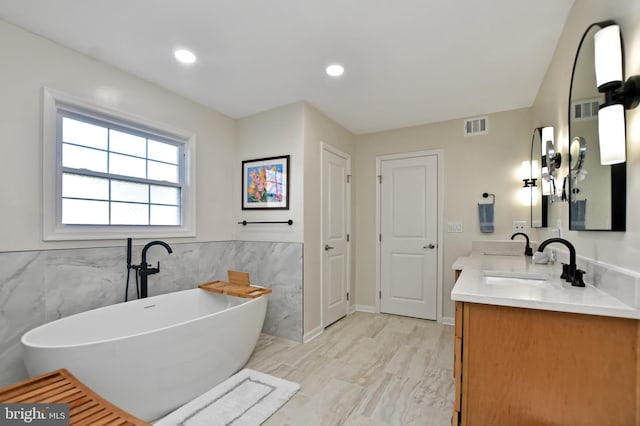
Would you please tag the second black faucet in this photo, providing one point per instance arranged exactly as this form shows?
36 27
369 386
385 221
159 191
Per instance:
570 272
527 249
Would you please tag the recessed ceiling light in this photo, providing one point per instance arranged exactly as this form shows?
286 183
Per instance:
185 56
334 70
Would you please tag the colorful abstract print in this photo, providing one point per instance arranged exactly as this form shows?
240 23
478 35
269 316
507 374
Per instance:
265 184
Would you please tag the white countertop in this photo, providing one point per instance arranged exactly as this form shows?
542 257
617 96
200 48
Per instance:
472 286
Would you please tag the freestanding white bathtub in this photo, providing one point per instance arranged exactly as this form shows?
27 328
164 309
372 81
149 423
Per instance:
150 356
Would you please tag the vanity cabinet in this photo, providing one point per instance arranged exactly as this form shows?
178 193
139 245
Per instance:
520 366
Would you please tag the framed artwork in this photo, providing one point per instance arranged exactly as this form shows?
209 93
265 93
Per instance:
265 183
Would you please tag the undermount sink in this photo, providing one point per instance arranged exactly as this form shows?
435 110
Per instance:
531 279
520 275
502 253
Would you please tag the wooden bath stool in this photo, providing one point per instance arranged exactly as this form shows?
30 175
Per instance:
85 406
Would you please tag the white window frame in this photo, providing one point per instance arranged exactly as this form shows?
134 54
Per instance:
53 228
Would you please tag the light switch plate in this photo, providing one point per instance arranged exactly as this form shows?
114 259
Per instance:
454 227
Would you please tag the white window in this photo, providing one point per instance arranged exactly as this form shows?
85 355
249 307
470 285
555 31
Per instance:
111 175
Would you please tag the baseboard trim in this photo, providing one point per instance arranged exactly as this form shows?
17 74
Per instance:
312 334
352 309
448 321
366 308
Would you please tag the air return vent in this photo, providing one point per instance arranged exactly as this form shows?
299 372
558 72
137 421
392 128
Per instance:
476 126
585 109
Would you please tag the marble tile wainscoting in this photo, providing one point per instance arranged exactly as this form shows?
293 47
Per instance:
621 283
41 286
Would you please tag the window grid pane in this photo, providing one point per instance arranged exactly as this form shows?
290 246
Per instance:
163 152
85 212
129 191
86 134
129 214
165 215
95 152
78 157
125 165
85 187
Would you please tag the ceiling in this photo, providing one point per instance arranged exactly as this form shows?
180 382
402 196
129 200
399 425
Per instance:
407 62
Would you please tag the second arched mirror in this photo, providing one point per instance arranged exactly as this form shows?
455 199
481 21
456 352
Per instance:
597 193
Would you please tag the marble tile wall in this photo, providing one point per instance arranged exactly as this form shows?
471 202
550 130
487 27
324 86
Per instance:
41 286
618 282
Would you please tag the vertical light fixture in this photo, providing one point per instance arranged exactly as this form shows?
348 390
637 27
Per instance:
611 133
547 135
544 170
608 58
529 174
618 94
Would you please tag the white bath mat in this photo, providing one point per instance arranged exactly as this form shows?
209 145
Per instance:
247 398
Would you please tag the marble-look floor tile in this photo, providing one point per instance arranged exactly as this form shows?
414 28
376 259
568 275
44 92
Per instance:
396 400
366 369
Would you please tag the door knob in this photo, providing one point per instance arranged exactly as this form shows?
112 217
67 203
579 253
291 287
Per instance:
327 247
430 246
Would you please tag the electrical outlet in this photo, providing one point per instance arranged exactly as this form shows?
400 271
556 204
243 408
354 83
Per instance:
454 227
519 225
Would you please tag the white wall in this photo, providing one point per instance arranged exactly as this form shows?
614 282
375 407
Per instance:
472 166
297 130
31 62
551 108
272 133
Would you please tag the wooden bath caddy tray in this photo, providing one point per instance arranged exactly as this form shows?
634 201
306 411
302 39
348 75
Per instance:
85 406
238 286
235 289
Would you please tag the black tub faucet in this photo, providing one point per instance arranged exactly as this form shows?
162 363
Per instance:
527 248
570 272
144 270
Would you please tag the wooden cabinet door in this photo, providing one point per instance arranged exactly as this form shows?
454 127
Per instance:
527 366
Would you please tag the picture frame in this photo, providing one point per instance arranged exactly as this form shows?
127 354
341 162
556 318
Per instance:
265 183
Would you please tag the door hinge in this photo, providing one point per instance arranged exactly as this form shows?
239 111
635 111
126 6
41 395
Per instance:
347 237
380 294
380 237
347 296
348 178
380 178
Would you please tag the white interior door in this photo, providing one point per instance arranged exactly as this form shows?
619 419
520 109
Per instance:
409 236
335 224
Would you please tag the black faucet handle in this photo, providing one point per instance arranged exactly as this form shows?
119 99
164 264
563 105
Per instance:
565 272
577 280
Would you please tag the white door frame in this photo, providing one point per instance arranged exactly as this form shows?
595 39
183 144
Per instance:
326 147
439 153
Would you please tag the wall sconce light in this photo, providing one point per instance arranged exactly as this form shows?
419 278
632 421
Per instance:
529 173
619 95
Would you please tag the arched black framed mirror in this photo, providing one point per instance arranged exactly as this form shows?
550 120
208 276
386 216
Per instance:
597 193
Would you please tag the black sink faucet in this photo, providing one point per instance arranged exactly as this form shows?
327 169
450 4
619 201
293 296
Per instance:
527 248
570 272
145 270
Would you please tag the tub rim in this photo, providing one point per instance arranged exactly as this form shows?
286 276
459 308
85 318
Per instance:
247 301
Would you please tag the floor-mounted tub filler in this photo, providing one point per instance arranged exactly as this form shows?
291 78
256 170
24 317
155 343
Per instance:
150 356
